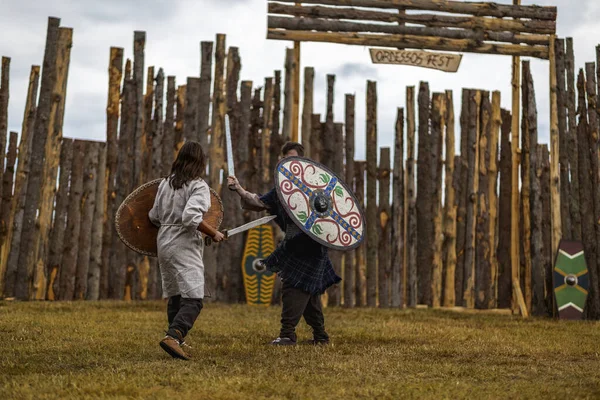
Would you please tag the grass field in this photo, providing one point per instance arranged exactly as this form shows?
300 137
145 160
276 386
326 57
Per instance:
109 349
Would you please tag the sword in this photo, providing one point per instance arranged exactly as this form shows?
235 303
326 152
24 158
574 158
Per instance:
243 228
230 166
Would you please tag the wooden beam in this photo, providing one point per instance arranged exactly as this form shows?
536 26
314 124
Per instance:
411 41
350 257
503 26
458 7
333 25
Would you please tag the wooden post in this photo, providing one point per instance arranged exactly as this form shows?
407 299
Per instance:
265 139
30 232
526 187
289 95
158 142
88 205
449 246
438 112
169 151
95 268
515 158
276 141
361 262
398 259
586 195
411 199
547 230
536 273
307 109
483 264
554 152
316 146
57 235
51 161
350 257
471 191
254 147
494 136
69 259
462 199
7 186
245 137
337 165
139 43
4 97
10 249
504 215
191 109
115 75
371 216
424 200
217 150
206 55
179 119
296 91
573 159
593 129
124 183
149 126
565 187
328 149
384 238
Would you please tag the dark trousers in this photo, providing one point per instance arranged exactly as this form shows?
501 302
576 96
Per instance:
298 303
182 314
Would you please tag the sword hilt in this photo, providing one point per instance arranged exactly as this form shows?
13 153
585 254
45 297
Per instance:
209 240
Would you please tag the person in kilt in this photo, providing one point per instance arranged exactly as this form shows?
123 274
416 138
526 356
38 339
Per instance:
303 265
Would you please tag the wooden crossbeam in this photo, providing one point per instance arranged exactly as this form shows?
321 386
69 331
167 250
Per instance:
411 41
456 7
430 20
330 25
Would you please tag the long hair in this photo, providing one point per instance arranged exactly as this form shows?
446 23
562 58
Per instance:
190 164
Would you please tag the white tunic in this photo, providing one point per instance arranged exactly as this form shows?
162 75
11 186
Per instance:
180 247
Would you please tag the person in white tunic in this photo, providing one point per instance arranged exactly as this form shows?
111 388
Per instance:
181 202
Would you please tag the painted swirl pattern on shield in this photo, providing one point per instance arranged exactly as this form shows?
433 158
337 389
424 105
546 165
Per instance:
320 203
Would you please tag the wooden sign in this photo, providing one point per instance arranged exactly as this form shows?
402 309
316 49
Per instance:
441 61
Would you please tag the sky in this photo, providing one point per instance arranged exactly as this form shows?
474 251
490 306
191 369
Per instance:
175 28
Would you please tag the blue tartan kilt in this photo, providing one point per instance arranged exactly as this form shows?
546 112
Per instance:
303 265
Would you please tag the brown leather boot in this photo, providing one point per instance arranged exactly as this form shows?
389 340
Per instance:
173 347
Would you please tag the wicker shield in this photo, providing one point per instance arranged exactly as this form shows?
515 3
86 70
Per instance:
134 227
319 203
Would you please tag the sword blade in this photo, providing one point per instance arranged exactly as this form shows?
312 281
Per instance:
250 225
230 166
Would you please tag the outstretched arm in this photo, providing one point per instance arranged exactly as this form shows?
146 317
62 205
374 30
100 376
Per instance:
250 201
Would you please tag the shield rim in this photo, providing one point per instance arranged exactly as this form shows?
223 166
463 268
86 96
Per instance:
133 194
293 218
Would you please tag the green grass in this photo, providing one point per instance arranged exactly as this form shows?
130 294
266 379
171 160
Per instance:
110 349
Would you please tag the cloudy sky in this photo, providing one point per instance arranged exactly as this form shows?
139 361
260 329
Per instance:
175 28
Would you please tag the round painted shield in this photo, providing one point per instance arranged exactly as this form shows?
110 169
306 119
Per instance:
134 227
319 203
